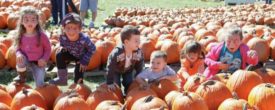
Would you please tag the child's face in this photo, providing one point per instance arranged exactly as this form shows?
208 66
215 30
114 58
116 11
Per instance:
29 21
72 31
157 64
233 43
133 42
192 57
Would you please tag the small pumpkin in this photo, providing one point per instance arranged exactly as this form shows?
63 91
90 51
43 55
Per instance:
149 103
189 101
11 57
233 103
71 102
261 47
5 97
170 98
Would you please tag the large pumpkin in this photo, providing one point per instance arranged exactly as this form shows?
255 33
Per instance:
71 102
3 21
99 95
193 82
5 97
11 57
200 34
95 60
4 107
137 93
233 104
242 82
261 47
13 18
117 91
14 87
147 46
189 101
33 107
209 91
2 60
170 98
49 97
267 74
149 103
107 46
110 105
27 97
83 90
272 46
163 87
262 96
172 50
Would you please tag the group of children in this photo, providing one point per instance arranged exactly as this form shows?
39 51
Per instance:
126 61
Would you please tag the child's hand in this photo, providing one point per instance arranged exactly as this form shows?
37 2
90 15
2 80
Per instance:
82 68
112 87
19 59
42 63
223 66
252 54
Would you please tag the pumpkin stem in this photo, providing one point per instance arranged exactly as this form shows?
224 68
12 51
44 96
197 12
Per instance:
25 91
33 107
246 106
185 93
235 95
209 82
149 98
114 103
80 81
197 79
269 85
226 76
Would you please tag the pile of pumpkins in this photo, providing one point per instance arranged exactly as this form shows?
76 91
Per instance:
243 90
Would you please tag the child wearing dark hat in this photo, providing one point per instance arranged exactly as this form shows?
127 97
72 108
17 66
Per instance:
75 46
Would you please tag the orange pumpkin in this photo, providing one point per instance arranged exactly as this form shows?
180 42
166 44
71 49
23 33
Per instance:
109 105
12 20
49 97
209 91
242 82
267 74
5 3
2 60
4 107
3 87
147 46
262 96
32 107
170 98
117 91
137 93
5 97
99 95
200 34
11 57
233 104
83 90
95 60
261 47
222 77
47 12
13 88
3 21
163 87
71 102
8 40
193 82
27 97
149 103
107 46
172 50
189 101
272 46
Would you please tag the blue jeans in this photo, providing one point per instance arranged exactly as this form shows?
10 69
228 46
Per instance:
268 1
57 9
127 79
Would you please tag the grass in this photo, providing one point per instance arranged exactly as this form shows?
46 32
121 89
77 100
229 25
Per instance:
107 8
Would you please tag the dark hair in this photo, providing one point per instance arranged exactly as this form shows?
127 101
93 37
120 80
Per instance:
127 32
191 47
71 18
159 54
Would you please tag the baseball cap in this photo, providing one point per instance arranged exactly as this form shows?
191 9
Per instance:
71 18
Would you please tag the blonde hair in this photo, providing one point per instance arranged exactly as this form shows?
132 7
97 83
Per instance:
20 29
230 31
159 54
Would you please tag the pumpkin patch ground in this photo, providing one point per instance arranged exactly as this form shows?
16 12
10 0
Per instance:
164 25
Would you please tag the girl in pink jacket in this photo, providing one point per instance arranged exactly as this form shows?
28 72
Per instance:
229 55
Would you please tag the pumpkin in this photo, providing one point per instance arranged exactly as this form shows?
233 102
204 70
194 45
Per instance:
95 60
172 50
170 98
8 41
147 46
133 85
32 107
27 97
117 91
109 105
14 87
222 77
83 90
262 96
4 106
242 82
261 47
163 87
210 45
189 101
12 20
193 82
233 103
149 103
267 74
107 46
3 87
207 40
3 21
137 93
49 97
2 60
71 102
5 97
47 12
3 48
99 95
200 34
183 39
11 57
53 52
209 91
272 46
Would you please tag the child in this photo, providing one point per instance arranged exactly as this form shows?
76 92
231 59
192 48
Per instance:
75 46
229 55
158 69
33 47
124 59
192 61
